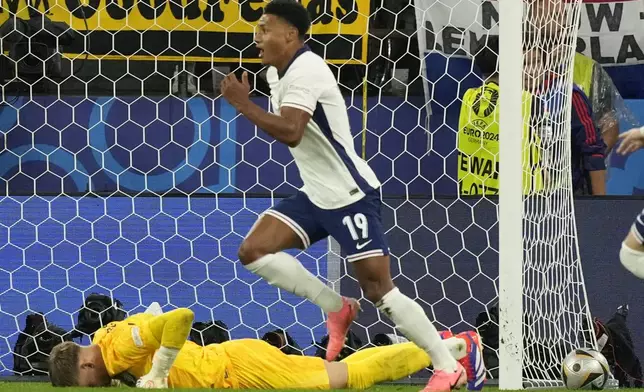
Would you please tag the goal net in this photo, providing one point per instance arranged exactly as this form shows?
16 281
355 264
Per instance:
125 173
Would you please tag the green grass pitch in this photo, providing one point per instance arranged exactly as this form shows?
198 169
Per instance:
45 387
38 387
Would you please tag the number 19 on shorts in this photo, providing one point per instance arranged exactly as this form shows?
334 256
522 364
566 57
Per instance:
358 228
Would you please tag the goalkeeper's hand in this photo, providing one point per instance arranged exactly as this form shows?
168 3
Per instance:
149 382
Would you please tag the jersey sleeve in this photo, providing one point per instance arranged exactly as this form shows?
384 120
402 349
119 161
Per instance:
126 343
304 88
587 139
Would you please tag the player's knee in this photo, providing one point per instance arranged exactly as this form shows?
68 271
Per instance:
249 252
375 289
374 277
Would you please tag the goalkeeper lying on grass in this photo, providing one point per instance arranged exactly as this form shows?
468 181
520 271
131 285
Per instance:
155 350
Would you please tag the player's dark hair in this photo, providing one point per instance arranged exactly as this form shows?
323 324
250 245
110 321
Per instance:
292 12
486 57
63 365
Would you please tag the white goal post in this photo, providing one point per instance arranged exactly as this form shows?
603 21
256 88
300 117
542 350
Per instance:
511 195
542 300
124 172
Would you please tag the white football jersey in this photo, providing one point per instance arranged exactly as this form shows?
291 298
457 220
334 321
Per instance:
334 175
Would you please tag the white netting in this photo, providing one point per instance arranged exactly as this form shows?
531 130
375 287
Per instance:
125 173
555 306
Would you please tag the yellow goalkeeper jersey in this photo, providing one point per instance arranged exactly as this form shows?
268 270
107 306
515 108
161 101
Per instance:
129 345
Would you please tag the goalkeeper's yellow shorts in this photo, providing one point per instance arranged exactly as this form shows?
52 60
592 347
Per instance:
258 365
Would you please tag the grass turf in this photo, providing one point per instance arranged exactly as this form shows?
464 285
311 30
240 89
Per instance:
37 387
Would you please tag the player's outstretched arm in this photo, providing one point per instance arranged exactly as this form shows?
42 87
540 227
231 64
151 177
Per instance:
171 330
287 127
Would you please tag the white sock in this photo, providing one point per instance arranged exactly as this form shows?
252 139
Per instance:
412 321
286 272
457 347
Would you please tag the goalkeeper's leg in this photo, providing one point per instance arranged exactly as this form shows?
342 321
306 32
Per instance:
378 364
371 366
256 364
400 360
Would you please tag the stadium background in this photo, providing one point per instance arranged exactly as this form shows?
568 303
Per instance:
72 151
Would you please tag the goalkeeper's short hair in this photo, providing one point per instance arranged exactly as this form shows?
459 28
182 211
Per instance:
63 364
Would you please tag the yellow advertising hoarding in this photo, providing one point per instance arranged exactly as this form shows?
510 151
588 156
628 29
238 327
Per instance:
194 28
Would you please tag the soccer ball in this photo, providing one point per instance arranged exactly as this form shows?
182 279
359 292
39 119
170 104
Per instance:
585 368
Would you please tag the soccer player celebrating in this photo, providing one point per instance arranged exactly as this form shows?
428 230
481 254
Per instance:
154 350
340 196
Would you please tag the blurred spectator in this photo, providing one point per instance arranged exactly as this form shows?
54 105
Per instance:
478 132
591 77
588 148
553 22
587 145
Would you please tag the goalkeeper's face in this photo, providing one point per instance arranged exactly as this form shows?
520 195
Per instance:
93 374
72 365
274 38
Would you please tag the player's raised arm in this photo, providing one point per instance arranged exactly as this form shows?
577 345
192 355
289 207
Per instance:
286 127
280 37
171 330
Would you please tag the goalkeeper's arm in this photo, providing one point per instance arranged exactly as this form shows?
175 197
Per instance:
171 330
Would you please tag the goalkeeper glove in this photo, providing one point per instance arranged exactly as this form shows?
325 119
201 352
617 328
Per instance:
161 364
154 309
149 382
